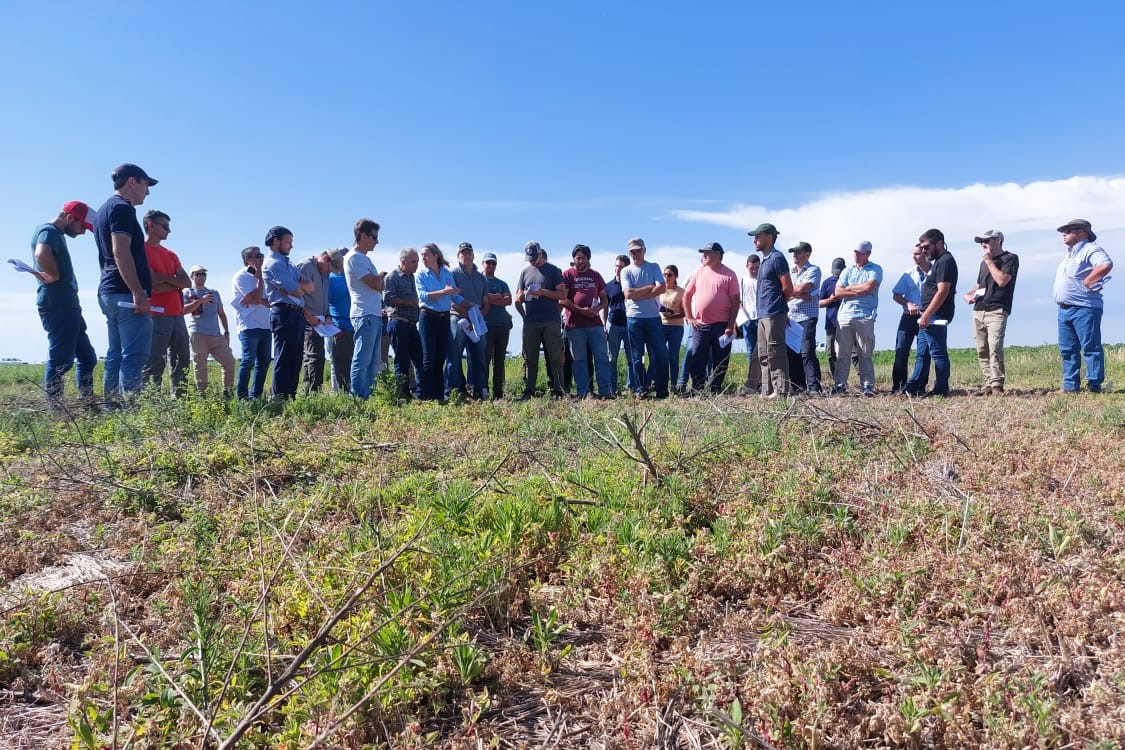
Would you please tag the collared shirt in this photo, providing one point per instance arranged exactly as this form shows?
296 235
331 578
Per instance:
400 285
997 297
771 297
472 283
713 291
865 307
426 281
317 300
909 285
799 309
832 309
248 317
282 280
615 314
1073 270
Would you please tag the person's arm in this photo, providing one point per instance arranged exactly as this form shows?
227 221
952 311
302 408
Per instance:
222 318
373 281
970 296
943 290
255 296
191 303
45 259
858 290
735 304
162 282
123 258
999 275
786 285
1097 273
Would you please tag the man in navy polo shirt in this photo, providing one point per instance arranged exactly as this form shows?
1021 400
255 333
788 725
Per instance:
775 288
285 291
57 300
125 281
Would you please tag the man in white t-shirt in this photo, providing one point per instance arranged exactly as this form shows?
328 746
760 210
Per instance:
252 314
365 285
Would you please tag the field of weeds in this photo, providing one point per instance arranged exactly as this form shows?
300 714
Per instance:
695 573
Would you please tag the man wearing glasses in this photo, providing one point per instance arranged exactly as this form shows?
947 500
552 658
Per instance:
169 279
775 289
252 313
1078 293
991 299
938 292
204 309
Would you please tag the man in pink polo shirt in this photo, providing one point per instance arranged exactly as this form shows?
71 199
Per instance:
711 301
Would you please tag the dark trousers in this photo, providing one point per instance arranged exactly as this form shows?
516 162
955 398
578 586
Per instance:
313 364
169 340
904 341
66 342
434 332
809 362
287 322
407 343
495 355
705 347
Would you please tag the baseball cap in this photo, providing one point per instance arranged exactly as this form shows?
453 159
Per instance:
838 264
712 247
276 233
531 250
863 247
801 247
195 269
991 234
125 171
79 211
1080 224
764 227
490 257
465 246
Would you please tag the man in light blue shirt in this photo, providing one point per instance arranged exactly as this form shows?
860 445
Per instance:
285 290
908 293
1078 293
858 292
804 310
643 283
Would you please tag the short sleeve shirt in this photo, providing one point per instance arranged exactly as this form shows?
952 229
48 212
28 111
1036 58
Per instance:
634 277
943 269
714 291
541 309
865 307
799 309
584 290
1069 288
771 297
248 317
401 286
163 261
365 300
498 316
909 285
63 293
997 297
206 322
117 216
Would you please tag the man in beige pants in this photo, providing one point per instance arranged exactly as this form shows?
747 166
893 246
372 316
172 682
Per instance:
204 311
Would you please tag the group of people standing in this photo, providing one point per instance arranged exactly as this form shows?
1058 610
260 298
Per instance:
336 308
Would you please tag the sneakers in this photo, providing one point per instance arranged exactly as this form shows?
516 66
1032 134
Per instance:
868 391
838 390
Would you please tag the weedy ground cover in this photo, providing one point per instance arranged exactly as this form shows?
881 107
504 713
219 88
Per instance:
713 572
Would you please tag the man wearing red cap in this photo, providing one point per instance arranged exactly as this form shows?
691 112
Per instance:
57 300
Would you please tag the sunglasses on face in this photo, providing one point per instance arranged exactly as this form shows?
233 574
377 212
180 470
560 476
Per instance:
927 246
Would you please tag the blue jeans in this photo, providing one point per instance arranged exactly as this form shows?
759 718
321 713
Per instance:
1080 332
592 337
434 332
478 372
255 356
705 348
66 342
287 322
904 340
408 352
673 338
365 354
130 340
649 333
616 337
931 346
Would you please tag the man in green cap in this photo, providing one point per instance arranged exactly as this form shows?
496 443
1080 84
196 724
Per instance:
775 288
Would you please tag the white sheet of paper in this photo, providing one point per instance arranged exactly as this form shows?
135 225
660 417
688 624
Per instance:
19 265
131 306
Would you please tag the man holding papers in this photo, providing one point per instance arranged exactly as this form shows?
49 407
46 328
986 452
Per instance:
938 297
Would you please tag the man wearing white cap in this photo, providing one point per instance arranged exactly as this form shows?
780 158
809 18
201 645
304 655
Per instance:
991 299
204 310
858 291
1078 293
57 300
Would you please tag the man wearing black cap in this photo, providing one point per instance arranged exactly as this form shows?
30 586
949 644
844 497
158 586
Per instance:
1078 293
538 293
991 299
711 303
285 291
831 307
474 288
125 281
775 288
57 300
804 310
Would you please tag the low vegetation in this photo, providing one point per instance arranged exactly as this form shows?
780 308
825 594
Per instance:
712 572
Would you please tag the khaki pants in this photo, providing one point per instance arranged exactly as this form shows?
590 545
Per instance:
218 347
773 355
989 328
857 334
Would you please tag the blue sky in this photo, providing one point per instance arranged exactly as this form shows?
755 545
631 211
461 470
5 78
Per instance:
579 122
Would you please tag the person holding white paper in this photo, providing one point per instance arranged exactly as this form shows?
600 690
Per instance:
939 292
